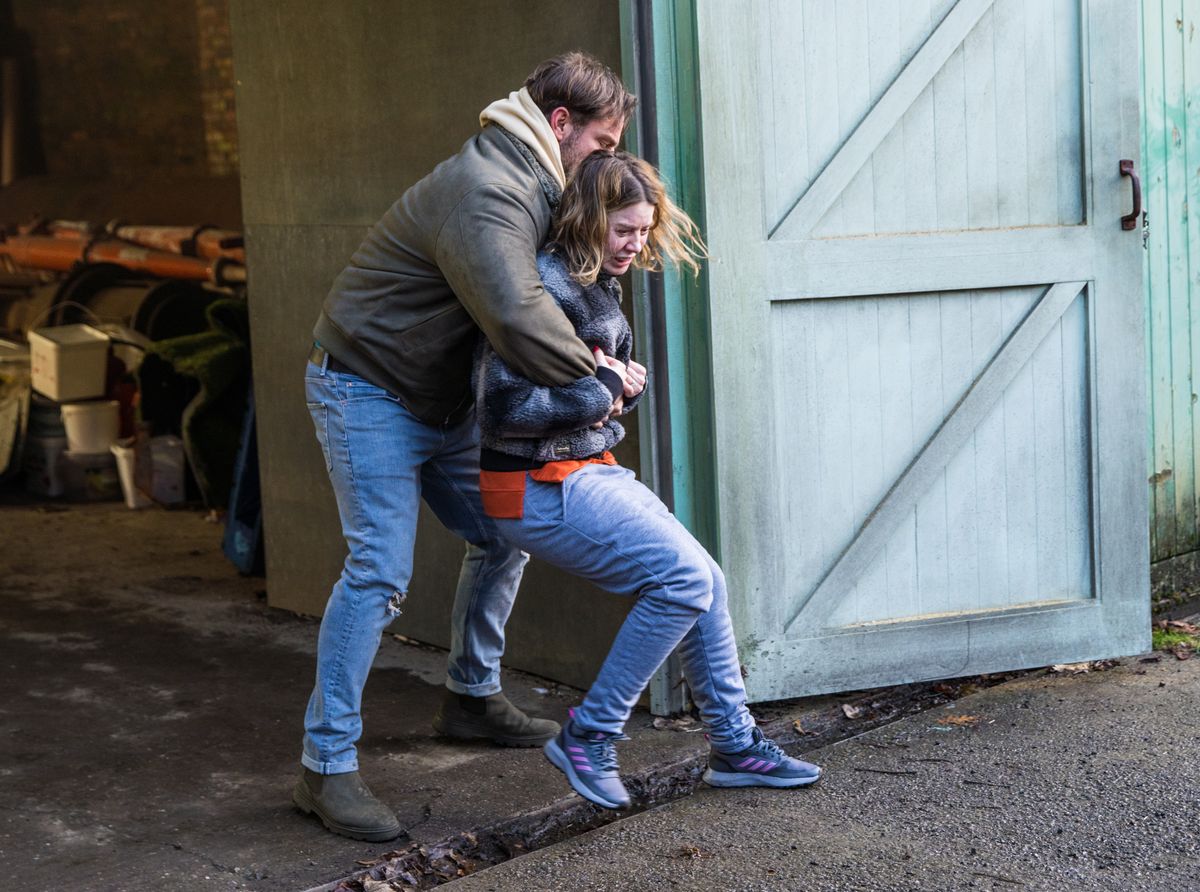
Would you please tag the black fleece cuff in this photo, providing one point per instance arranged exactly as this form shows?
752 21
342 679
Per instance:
610 379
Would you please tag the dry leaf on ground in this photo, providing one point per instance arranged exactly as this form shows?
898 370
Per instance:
1081 668
851 712
962 721
1178 625
386 856
1069 668
370 885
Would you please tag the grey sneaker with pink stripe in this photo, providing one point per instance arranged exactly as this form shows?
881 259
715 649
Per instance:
589 760
762 764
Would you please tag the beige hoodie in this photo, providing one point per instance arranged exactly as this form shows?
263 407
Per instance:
520 116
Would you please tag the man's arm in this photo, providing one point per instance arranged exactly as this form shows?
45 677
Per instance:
510 405
487 250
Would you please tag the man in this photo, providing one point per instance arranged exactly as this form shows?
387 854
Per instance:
388 387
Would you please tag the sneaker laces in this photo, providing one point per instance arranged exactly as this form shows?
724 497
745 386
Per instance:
768 747
600 745
602 753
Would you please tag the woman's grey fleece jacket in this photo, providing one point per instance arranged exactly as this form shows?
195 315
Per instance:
522 424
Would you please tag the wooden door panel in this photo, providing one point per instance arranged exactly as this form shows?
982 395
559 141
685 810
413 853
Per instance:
898 118
1006 522
869 384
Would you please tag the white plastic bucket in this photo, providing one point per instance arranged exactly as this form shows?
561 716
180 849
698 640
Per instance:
91 427
168 460
125 454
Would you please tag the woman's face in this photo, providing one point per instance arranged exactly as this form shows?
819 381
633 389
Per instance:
628 230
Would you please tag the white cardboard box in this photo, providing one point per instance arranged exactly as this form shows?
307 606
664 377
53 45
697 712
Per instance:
68 362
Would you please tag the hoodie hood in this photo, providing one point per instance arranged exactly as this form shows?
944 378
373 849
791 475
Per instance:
520 116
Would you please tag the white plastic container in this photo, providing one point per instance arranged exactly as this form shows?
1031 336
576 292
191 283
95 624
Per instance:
126 455
69 362
168 461
92 427
89 477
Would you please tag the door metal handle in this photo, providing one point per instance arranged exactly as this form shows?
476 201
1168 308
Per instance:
1130 220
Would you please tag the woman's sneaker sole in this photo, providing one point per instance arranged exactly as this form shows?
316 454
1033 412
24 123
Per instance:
745 779
560 761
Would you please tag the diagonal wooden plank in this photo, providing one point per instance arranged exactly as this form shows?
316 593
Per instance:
881 120
946 441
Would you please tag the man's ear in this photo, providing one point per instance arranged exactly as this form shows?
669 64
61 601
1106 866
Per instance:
560 122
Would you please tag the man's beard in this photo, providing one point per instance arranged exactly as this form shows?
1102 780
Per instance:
568 149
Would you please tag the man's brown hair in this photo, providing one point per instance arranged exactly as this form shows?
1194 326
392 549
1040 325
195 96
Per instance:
582 84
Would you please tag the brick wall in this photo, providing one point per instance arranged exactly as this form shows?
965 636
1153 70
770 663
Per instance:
216 86
129 88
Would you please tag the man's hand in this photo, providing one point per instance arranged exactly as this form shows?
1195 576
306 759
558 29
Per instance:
618 407
633 375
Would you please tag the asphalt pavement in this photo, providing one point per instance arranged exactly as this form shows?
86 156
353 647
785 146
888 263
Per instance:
1055 781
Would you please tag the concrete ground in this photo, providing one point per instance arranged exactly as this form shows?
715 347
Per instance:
151 719
1052 782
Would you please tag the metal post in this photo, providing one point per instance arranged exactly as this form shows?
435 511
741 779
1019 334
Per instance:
668 692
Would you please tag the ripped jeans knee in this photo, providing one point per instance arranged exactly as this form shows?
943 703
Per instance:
395 603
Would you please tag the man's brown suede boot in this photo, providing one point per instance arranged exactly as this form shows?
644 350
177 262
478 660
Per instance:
490 718
345 806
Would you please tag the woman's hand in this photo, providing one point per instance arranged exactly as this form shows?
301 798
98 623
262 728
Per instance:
635 380
633 375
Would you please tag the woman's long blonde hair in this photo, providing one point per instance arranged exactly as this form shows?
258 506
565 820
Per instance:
606 182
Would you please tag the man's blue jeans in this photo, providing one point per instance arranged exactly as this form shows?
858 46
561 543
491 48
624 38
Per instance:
602 524
382 460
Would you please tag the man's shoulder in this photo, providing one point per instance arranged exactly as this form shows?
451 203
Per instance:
487 163
488 179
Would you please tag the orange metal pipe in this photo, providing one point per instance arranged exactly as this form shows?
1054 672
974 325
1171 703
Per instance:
221 243
44 252
198 241
175 239
71 230
158 263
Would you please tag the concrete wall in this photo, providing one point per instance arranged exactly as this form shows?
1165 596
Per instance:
340 108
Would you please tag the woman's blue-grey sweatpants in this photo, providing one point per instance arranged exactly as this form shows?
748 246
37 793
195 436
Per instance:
602 524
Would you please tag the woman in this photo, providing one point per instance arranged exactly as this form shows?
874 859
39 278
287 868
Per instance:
558 493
